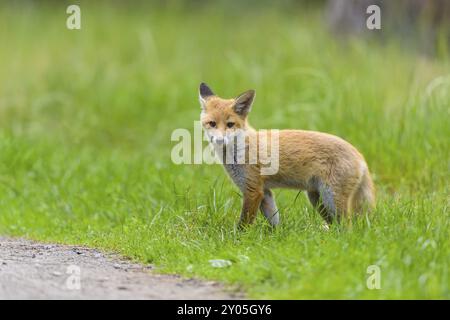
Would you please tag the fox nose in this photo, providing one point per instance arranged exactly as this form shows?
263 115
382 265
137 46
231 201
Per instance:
219 140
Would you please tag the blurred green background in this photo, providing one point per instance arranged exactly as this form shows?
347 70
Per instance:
86 117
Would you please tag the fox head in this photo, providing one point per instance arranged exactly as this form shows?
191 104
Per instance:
223 119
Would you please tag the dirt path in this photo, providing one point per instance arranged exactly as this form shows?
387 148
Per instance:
30 270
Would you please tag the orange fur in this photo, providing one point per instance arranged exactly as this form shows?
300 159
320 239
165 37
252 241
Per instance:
332 172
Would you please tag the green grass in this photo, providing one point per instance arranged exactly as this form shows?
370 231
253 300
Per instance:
85 124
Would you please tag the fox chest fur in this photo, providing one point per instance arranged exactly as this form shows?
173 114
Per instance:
237 173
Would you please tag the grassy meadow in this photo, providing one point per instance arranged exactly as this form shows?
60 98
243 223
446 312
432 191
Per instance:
86 118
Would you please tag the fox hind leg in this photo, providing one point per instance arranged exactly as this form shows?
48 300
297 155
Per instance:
363 199
269 208
323 202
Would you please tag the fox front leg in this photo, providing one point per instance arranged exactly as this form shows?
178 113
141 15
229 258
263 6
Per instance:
269 208
250 206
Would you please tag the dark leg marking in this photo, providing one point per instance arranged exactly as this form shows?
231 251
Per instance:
323 200
269 208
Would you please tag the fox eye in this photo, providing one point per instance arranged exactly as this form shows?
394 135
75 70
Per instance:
212 124
230 124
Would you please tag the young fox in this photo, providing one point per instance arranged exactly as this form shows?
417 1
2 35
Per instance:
332 172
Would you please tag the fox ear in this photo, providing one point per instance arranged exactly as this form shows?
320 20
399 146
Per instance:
203 93
243 103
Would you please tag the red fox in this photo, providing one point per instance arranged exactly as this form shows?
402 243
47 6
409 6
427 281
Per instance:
332 172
